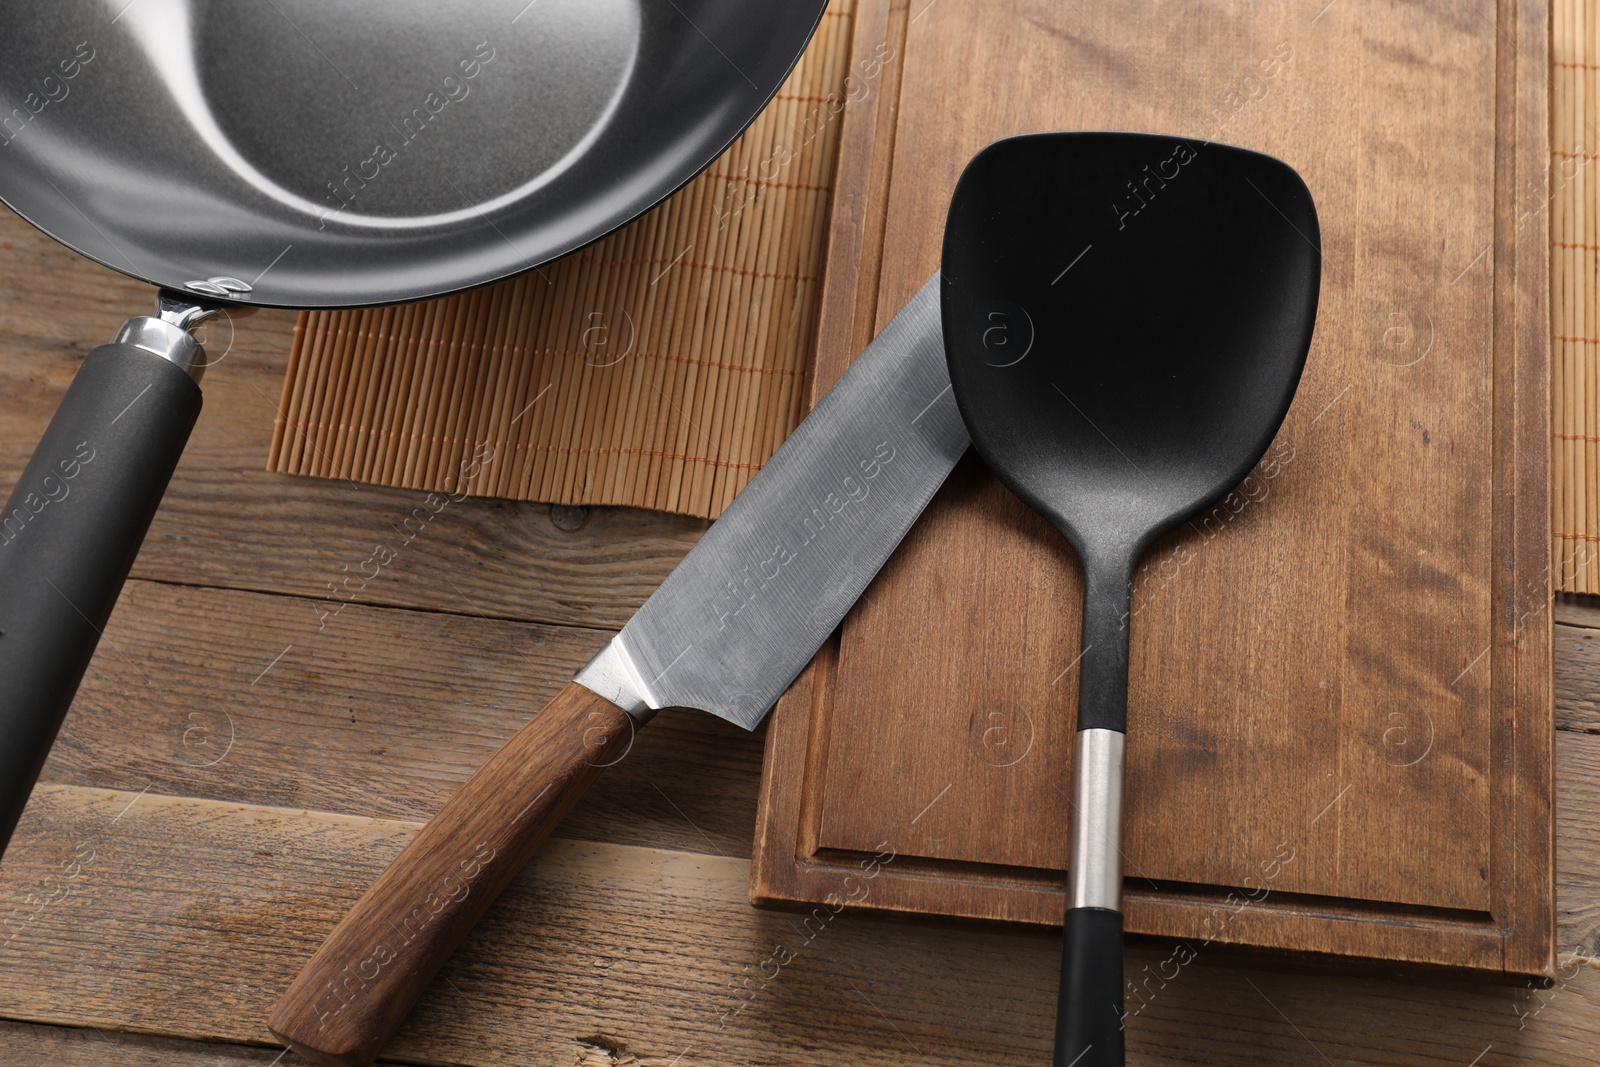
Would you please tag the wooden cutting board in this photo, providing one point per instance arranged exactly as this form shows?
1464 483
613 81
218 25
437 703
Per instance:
1340 720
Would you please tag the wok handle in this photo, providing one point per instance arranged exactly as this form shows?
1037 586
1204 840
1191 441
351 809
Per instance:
69 535
354 993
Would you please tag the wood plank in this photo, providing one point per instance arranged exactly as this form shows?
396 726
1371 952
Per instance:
383 712
39 1045
1521 628
1577 678
227 522
1578 843
188 916
848 315
1576 610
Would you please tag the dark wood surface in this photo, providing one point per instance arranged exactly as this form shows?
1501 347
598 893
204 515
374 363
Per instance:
1339 705
166 884
214 809
361 983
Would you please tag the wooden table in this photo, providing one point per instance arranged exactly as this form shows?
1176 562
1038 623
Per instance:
247 753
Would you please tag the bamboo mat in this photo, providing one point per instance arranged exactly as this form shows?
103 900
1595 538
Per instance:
658 368
1574 243
661 366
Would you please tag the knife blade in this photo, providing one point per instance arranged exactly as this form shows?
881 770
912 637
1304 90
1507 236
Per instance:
732 626
727 632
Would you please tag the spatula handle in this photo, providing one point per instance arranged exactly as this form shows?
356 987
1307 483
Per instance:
363 981
1089 1011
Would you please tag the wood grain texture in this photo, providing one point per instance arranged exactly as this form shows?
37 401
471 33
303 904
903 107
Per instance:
194 913
1349 659
1578 610
1522 623
185 917
847 318
363 980
1577 851
227 522
37 1045
383 712
1577 684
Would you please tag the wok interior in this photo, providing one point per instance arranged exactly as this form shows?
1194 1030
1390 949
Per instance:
348 154
422 116
1166 291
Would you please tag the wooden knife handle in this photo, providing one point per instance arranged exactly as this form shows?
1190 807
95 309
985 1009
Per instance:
364 979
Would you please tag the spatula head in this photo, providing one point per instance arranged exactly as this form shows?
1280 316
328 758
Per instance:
1126 317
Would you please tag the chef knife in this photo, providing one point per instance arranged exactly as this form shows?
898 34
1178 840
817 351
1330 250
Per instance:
726 632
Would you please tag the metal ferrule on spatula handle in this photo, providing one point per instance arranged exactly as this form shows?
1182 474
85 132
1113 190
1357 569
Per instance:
1089 1016
1095 876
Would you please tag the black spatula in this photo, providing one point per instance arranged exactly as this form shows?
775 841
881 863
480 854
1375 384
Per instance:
1126 317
